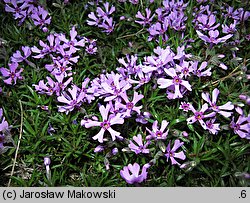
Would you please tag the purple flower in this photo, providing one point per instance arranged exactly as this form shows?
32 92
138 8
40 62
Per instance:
241 126
207 22
11 75
142 118
130 105
73 43
172 154
46 88
198 71
107 12
93 19
214 107
213 37
156 133
18 8
18 57
144 20
176 82
229 29
106 123
114 86
107 25
72 101
4 133
131 174
212 127
40 17
199 115
140 147
185 106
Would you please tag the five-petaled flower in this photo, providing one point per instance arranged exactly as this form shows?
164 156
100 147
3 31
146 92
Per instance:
106 123
131 172
172 154
11 75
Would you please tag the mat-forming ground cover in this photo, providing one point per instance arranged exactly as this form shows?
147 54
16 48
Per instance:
119 93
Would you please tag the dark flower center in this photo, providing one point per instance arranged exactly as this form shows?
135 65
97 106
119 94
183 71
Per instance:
12 75
199 115
158 133
177 80
105 125
130 105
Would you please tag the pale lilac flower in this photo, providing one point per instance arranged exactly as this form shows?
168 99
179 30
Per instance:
229 29
213 37
73 43
185 68
142 118
185 106
68 56
143 79
131 174
18 57
176 82
172 154
72 101
207 22
107 25
156 133
130 105
212 127
201 71
18 8
200 115
99 148
46 88
107 122
107 12
40 17
12 74
218 109
139 147
145 20
114 87
134 1
93 19
241 126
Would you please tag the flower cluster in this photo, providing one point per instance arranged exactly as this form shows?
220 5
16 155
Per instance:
170 16
63 52
102 18
22 9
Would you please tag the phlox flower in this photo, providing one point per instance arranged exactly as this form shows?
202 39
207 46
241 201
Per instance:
176 82
199 115
212 37
218 109
105 13
212 126
18 8
145 20
139 147
72 100
172 154
201 71
156 133
242 126
131 174
73 43
130 105
207 22
106 123
18 57
40 17
12 74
